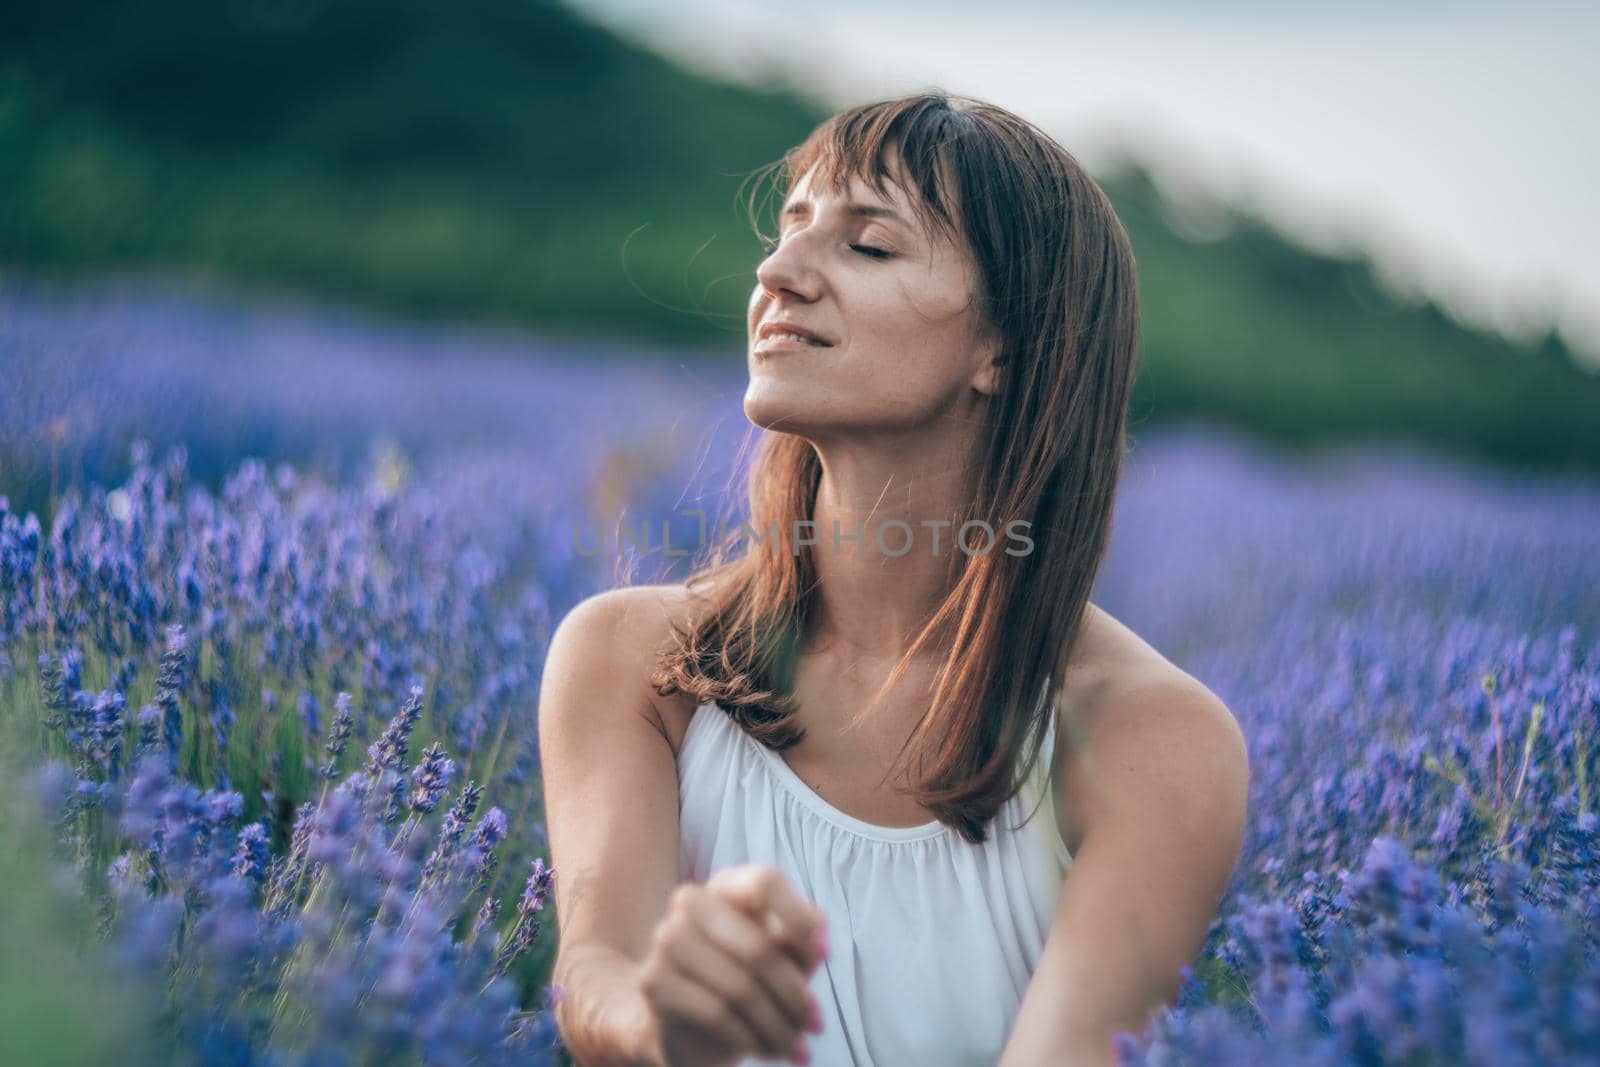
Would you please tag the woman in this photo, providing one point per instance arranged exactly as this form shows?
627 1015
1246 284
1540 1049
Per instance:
807 806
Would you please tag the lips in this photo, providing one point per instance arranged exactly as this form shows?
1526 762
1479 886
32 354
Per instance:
776 329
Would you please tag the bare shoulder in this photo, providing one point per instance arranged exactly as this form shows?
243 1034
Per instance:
1113 667
1137 708
616 635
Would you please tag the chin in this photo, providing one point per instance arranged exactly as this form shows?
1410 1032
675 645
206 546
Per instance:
764 413
774 407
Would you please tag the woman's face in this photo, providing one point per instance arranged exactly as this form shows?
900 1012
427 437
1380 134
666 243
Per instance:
894 301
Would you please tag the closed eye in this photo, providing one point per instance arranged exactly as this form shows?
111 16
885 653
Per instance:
771 246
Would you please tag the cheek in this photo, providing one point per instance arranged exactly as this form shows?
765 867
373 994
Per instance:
911 378
923 335
925 301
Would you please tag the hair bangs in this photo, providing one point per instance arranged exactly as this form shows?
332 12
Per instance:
903 144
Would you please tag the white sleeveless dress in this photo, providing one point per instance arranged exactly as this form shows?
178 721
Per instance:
932 939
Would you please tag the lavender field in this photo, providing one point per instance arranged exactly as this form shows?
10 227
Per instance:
276 584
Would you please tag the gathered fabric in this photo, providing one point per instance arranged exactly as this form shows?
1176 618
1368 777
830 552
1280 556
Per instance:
932 939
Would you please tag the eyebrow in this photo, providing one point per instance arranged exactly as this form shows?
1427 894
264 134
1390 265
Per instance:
867 211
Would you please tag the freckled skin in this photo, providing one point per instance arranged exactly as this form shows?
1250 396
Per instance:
908 355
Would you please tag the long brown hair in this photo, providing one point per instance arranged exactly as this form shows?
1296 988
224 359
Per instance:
1056 277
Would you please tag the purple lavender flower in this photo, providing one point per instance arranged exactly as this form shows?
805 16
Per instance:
285 872
148 726
253 854
60 677
389 751
170 682
453 828
338 736
481 859
430 779
483 921
1418 880
103 740
526 930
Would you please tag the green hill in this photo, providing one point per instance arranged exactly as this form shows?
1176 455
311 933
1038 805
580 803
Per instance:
506 158
1304 348
493 157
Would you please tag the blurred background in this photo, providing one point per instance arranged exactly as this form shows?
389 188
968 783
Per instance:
336 336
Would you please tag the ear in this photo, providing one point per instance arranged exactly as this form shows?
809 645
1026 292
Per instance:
991 366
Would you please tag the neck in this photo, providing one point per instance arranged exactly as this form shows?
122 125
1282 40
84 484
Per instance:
875 593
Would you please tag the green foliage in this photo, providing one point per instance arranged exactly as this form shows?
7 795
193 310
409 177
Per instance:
501 158
1308 348
60 1004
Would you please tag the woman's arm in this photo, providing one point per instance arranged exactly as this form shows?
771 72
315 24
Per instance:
1160 785
611 812
602 1015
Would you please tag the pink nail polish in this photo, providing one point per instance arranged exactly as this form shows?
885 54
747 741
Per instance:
802 1053
816 1020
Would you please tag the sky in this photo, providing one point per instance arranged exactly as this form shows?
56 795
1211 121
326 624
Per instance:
1456 143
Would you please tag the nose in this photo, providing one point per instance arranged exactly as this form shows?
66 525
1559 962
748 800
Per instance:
788 268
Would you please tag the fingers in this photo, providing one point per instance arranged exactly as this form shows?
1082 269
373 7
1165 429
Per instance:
738 960
681 995
764 893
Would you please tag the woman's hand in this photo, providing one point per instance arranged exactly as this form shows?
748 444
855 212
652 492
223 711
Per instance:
729 967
